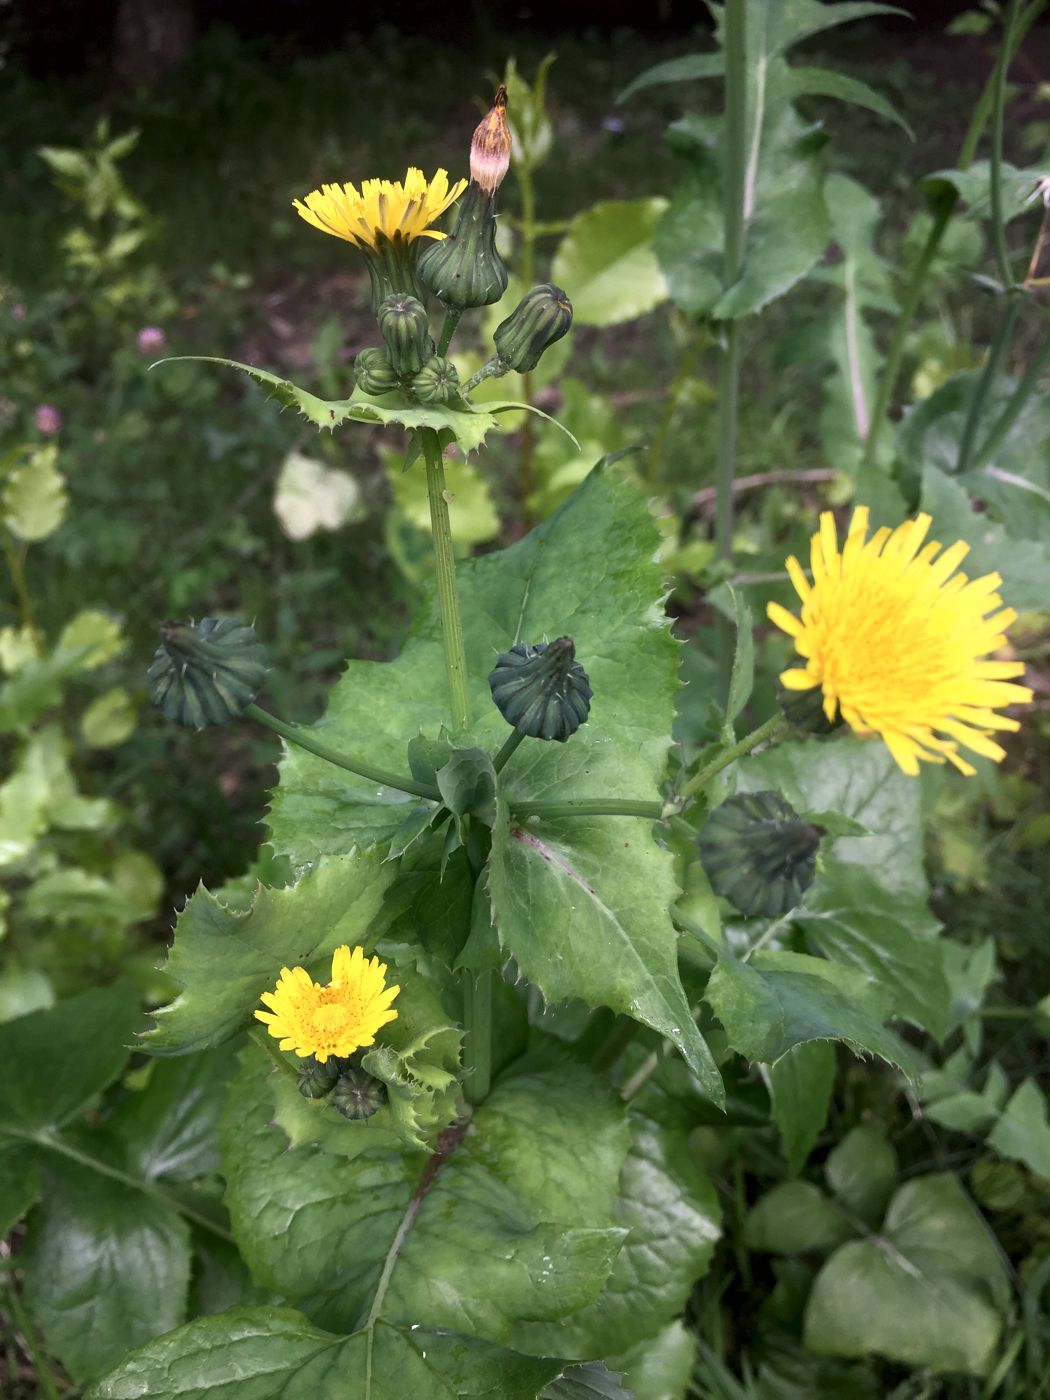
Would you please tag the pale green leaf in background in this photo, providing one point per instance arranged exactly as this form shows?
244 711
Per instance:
800 1085
861 1171
606 262
109 719
1022 1133
34 499
928 1291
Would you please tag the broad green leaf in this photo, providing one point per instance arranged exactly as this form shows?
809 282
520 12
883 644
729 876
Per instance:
22 988
257 1353
691 67
34 498
768 1006
1022 1133
671 1211
859 779
169 1128
825 82
800 1085
928 1291
467 783
861 1171
512 1220
79 896
794 1218
109 720
19 1185
661 1367
56 1061
856 921
606 262
106 1268
973 187
591 1381
776 26
17 646
742 677
469 426
1023 563
223 959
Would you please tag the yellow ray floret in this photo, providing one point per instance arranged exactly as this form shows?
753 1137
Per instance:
898 641
333 1020
385 207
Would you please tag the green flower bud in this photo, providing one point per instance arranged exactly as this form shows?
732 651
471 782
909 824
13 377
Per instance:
437 382
542 316
805 710
758 853
316 1081
374 373
208 672
541 689
357 1094
464 269
406 330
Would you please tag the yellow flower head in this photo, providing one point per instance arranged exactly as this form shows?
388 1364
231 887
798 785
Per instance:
385 207
898 641
333 1020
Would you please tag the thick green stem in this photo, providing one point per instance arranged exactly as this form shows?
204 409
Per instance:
987 379
1002 259
942 217
768 733
735 31
477 1040
1013 408
448 600
448 330
148 1188
350 762
491 369
515 738
600 807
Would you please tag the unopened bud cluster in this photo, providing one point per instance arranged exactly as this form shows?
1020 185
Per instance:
343 1084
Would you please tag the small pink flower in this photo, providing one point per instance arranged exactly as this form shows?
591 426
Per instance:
48 419
152 341
18 311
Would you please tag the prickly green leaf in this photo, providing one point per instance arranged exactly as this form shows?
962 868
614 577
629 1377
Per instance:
592 1381
612 885
106 1268
56 1061
469 427
514 1219
224 959
780 1000
256 1353
606 262
928 1292
800 1085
